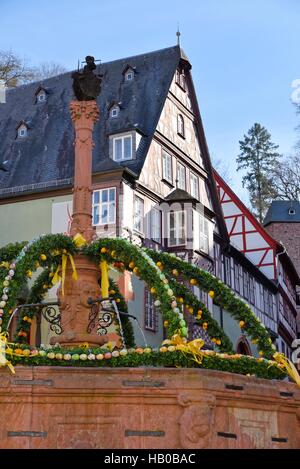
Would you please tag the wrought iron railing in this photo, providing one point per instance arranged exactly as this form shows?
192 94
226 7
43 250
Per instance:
41 310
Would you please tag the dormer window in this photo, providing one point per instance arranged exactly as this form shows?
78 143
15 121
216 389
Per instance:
114 112
22 131
292 211
180 125
41 96
128 73
122 148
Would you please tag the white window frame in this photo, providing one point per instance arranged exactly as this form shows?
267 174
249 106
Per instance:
122 138
100 206
22 131
193 185
129 75
181 171
180 230
41 97
203 234
167 170
155 225
114 112
138 215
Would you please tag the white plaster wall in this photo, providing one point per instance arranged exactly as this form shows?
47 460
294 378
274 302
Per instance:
167 125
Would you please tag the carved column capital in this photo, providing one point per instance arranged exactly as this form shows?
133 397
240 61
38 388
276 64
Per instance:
84 110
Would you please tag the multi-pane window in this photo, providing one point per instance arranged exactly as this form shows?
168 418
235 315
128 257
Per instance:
203 224
217 261
138 217
268 302
167 167
122 148
271 311
194 186
252 289
241 274
156 225
150 312
177 230
236 278
261 297
104 206
180 125
227 268
246 285
180 176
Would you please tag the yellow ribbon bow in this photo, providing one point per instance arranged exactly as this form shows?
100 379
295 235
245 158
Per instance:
4 264
290 368
3 359
57 277
192 348
79 240
104 279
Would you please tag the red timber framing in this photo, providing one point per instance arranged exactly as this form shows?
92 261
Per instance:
245 232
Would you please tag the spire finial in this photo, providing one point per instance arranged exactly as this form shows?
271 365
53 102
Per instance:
178 34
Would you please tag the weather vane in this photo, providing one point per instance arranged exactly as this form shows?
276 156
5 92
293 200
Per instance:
178 34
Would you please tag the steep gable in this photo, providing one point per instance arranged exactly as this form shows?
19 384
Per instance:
245 232
189 148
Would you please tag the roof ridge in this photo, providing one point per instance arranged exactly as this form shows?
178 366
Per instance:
140 55
98 66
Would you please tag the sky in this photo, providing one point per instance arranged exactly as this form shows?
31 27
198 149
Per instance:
244 55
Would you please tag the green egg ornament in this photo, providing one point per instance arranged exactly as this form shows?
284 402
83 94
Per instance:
184 331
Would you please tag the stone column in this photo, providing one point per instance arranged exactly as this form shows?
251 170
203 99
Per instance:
84 115
74 307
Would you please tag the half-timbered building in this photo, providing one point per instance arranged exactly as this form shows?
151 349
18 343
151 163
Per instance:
153 182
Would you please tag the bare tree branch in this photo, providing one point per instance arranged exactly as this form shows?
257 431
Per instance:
287 178
15 71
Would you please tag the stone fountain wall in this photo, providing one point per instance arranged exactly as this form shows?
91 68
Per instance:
59 407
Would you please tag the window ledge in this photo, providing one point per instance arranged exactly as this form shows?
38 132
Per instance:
156 242
124 161
181 87
138 233
205 254
104 224
170 184
178 246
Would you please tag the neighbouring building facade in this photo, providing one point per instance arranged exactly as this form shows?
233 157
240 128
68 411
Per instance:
275 298
282 222
153 183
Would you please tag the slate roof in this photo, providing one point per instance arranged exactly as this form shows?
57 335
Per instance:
179 195
287 211
46 155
